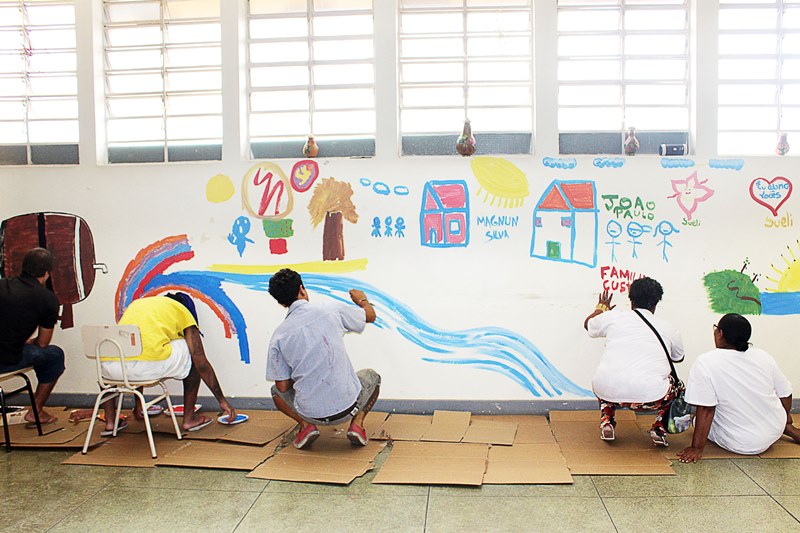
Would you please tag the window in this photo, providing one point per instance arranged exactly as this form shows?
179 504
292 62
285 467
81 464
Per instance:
163 80
465 59
622 64
38 83
311 71
759 75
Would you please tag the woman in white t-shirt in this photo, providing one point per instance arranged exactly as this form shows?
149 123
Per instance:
634 372
742 397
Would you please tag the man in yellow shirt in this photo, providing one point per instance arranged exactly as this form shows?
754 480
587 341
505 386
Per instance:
171 347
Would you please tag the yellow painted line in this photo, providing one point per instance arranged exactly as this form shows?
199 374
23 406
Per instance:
312 266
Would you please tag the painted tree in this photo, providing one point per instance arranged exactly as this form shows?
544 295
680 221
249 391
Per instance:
331 202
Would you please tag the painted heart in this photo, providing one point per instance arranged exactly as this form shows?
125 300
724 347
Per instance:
772 194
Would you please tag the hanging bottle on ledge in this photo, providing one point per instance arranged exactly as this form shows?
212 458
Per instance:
631 144
465 145
310 149
783 145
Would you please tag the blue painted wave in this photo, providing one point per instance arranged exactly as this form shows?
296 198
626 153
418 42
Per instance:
487 348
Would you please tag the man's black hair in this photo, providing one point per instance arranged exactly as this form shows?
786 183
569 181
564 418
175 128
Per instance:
37 262
736 330
284 286
645 293
185 300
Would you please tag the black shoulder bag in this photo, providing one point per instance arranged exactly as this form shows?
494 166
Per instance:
679 416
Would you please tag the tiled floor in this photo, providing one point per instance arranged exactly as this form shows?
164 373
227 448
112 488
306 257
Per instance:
40 494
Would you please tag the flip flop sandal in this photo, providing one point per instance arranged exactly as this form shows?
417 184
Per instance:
110 432
200 426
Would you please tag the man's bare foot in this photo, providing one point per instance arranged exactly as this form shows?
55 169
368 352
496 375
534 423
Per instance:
76 415
195 423
44 417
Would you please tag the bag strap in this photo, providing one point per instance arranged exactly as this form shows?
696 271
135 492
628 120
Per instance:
658 336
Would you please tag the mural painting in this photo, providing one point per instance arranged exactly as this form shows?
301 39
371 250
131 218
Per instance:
487 348
731 291
219 189
238 235
618 279
331 202
387 230
69 238
689 193
773 194
444 214
267 183
500 181
565 223
304 174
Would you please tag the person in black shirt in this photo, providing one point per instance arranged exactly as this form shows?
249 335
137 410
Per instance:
25 306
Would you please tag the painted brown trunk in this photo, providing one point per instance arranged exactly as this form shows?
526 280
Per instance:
333 238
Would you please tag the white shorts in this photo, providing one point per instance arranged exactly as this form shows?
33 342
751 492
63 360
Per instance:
177 366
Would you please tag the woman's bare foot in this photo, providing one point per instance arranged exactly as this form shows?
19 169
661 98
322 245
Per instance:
792 432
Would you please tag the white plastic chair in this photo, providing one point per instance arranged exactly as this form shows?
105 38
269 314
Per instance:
5 395
127 341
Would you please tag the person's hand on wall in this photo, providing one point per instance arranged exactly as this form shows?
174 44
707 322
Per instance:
360 299
358 296
604 301
603 304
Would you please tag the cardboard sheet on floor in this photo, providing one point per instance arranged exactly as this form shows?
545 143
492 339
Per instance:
203 454
328 460
785 448
632 453
127 449
372 422
679 441
447 426
403 427
531 429
261 428
58 435
434 463
526 464
491 432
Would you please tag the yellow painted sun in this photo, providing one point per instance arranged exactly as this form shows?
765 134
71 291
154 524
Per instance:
500 180
789 280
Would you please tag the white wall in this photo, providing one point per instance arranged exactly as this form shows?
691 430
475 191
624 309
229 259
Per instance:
490 283
486 285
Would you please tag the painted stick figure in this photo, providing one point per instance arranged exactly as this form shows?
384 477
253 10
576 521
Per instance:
614 230
636 230
399 227
376 227
238 235
665 228
387 222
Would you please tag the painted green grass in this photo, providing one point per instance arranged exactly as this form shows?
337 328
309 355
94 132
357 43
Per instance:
730 291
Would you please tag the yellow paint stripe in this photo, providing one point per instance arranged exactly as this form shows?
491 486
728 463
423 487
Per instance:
311 266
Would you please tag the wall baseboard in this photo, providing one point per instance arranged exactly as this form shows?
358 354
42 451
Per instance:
478 407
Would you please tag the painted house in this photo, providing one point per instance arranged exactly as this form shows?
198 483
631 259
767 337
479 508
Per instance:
444 214
565 223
